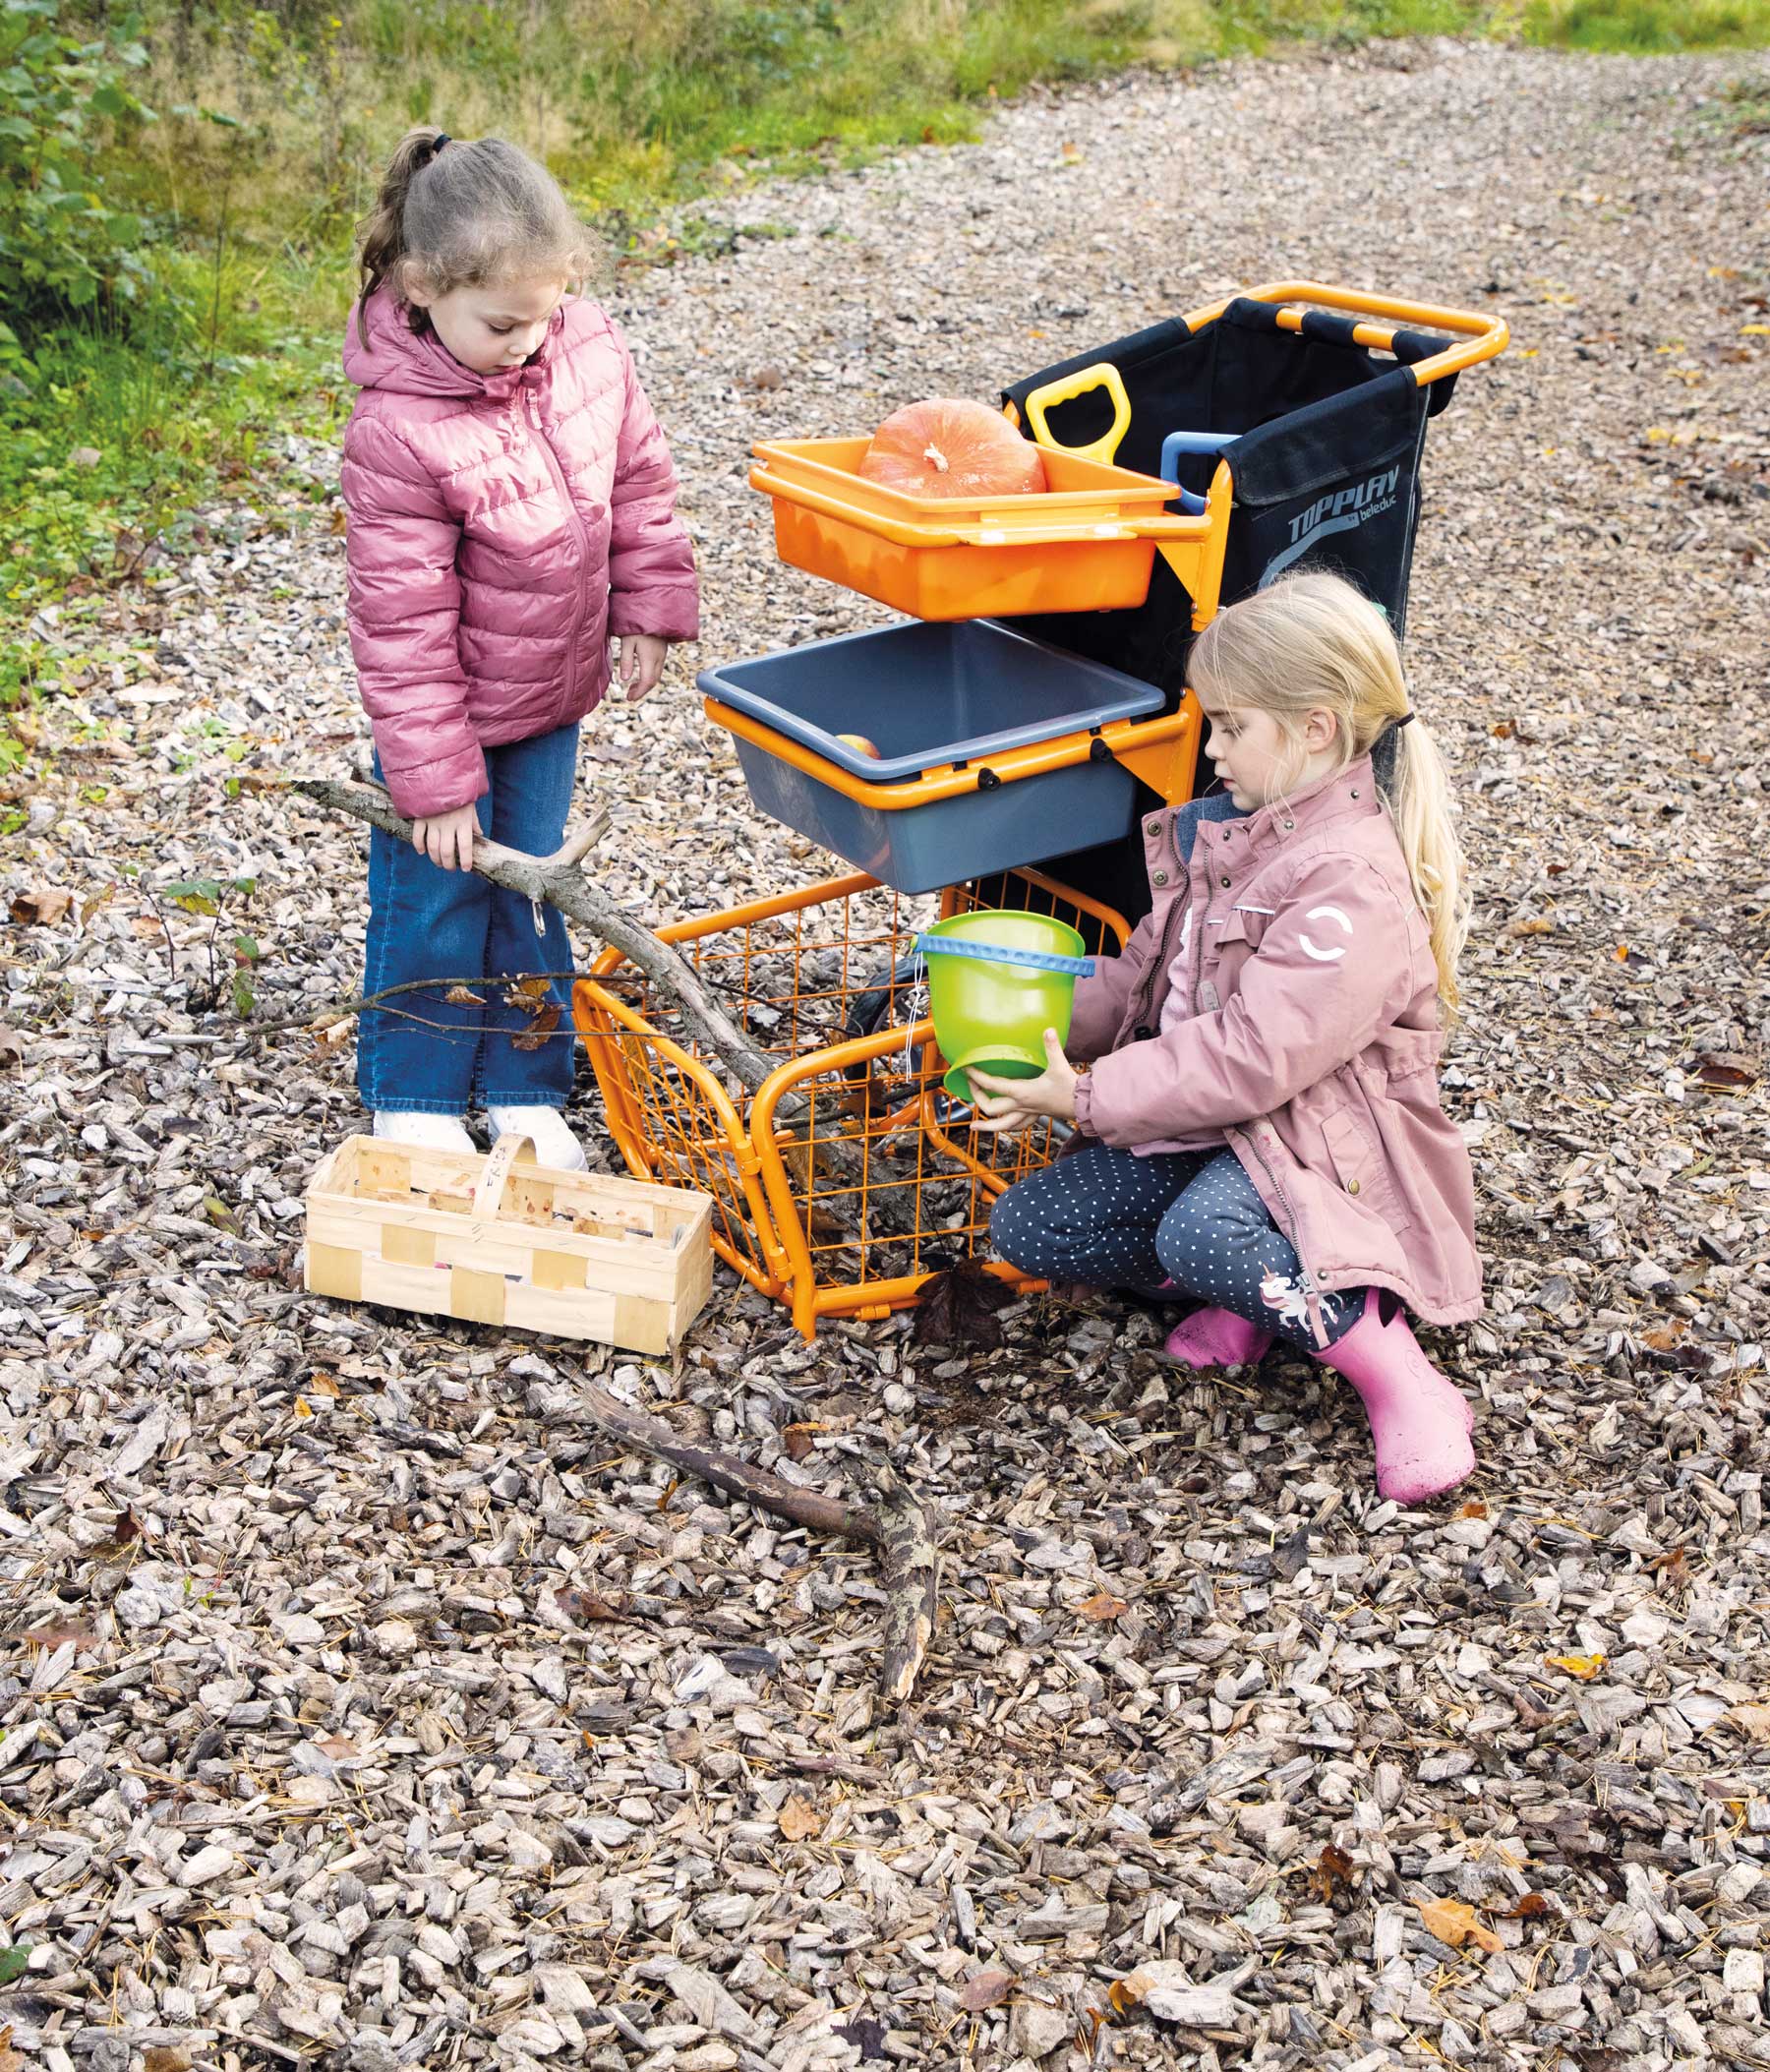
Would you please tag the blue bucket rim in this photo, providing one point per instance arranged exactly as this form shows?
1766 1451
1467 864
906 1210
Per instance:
928 944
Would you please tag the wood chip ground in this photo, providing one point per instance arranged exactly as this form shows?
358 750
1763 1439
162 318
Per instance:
360 1712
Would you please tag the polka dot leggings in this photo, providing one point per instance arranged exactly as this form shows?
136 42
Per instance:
1188 1220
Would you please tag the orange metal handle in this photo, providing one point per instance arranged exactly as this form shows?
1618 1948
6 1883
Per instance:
1035 759
1484 337
901 533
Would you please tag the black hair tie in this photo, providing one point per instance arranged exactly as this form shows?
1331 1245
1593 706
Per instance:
442 138
1406 719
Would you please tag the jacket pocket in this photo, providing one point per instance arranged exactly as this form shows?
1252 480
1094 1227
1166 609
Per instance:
1230 939
1358 1164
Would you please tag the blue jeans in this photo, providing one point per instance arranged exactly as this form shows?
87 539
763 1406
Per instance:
421 1051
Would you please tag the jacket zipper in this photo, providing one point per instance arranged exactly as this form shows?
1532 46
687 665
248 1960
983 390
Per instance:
1164 949
582 534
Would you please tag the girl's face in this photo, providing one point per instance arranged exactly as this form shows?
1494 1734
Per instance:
1257 758
493 327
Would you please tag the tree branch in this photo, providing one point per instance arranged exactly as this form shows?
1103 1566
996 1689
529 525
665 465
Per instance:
900 1532
559 880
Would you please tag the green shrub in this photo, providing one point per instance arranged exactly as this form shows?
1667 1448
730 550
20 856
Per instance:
63 247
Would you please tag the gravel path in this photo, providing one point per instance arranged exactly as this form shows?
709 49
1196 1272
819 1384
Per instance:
310 1760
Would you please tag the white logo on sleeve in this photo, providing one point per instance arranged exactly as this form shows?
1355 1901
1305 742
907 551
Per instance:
1321 956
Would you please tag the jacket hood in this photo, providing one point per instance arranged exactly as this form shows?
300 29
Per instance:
403 362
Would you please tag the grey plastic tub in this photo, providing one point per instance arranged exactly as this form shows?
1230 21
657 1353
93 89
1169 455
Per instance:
927 695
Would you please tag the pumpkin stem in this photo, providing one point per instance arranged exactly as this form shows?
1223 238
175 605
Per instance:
932 452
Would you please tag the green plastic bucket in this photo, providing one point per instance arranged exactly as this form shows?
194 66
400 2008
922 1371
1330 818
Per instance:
997 980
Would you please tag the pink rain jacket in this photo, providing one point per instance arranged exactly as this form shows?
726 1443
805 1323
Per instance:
1306 1038
501 527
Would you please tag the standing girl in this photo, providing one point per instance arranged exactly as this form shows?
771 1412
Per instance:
511 506
1260 1122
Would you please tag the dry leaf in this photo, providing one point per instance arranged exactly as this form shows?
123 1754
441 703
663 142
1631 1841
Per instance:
126 1530
12 1046
528 992
464 996
10 2060
958 1308
58 1632
1455 1922
1752 1720
545 1021
1666 1338
42 907
1331 1873
1538 927
334 1033
168 2057
1584 1667
1528 1907
586 1608
1126 1995
987 1989
1725 1068
321 1384
1101 1606
1473 1509
797 1440
799 1818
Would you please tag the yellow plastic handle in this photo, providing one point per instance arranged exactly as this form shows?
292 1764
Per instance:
1101 374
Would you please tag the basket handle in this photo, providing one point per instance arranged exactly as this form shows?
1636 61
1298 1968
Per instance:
928 944
1101 374
488 1194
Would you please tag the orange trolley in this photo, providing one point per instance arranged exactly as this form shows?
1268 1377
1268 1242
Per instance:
1186 465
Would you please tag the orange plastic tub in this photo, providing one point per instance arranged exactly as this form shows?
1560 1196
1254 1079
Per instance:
1085 544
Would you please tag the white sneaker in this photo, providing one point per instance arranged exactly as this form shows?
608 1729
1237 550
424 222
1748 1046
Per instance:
554 1143
431 1133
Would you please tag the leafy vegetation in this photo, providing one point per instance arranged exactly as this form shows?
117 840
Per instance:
178 187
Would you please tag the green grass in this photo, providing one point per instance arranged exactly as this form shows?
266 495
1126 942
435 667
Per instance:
275 119
1649 27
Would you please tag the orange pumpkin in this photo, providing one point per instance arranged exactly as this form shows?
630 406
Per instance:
951 447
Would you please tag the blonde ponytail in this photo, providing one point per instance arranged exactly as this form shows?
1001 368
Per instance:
1312 640
1419 802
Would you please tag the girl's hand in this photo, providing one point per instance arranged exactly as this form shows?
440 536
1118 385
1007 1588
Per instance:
642 664
447 838
1013 1104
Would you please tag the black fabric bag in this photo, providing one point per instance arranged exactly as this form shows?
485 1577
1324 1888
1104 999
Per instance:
1325 458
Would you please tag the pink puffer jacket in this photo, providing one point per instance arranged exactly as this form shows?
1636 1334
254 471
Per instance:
501 527
1307 1038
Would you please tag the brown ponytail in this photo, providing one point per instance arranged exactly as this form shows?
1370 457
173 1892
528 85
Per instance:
478 211
384 230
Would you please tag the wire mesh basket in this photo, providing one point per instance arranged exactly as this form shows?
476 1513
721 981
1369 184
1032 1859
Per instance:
851 1177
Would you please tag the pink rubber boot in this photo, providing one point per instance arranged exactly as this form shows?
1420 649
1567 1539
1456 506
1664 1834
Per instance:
1419 1420
1216 1338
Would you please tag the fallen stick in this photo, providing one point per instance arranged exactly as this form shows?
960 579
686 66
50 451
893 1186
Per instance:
901 1531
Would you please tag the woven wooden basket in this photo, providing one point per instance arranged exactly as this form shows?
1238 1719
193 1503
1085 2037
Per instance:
501 1239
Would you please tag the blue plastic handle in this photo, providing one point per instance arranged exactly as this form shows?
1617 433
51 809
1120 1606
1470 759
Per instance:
1179 442
1003 953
